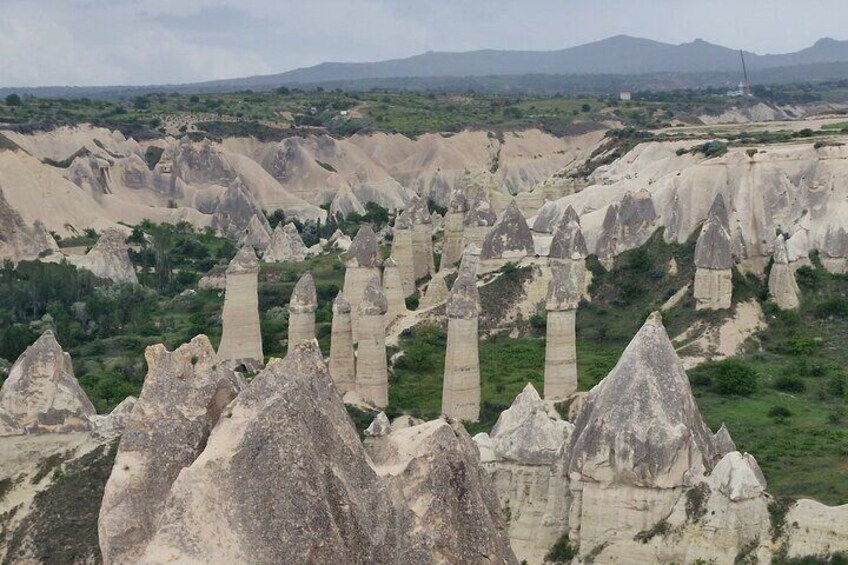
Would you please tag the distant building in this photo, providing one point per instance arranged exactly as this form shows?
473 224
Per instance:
624 95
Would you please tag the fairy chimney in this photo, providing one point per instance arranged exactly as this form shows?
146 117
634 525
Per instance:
393 289
362 263
461 389
372 382
302 308
714 261
342 362
564 293
782 285
241 339
453 242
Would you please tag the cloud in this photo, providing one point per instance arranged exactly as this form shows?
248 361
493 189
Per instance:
99 42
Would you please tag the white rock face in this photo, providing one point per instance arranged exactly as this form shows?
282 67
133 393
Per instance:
461 388
628 223
403 255
183 395
362 264
783 288
302 306
714 261
509 239
564 292
241 339
379 427
372 376
393 289
115 421
342 361
257 234
436 292
108 259
816 529
41 393
286 245
453 243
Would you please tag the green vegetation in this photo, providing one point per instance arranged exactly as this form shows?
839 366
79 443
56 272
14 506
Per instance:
562 552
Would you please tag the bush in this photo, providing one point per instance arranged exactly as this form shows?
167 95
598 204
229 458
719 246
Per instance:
789 383
561 552
13 100
779 413
727 377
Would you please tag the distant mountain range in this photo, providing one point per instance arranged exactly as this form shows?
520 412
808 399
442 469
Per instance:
643 61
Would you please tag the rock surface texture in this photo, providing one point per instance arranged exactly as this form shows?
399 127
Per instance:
362 264
783 288
41 393
286 245
509 239
183 396
393 289
108 259
302 306
241 340
372 379
342 358
714 261
257 234
461 388
453 243
564 292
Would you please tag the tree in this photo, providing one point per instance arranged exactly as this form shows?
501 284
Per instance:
13 100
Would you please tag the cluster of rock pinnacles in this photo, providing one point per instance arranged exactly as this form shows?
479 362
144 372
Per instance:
207 463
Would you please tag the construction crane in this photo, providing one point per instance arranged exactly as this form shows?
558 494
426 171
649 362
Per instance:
746 86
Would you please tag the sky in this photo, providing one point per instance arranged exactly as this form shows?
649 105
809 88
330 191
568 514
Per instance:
128 42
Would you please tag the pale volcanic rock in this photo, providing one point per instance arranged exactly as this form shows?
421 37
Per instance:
627 224
656 436
509 239
454 240
342 361
302 306
724 444
738 477
428 466
283 479
19 241
402 253
241 339
816 529
436 292
783 288
713 288
362 263
41 393
380 426
568 242
345 202
115 421
109 259
257 234
182 398
214 279
564 293
286 246
393 289
234 210
372 383
461 388
422 238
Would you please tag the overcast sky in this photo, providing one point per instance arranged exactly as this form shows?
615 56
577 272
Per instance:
107 42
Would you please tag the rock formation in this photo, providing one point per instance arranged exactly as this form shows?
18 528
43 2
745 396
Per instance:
19 241
564 292
257 234
286 245
115 421
714 261
372 379
362 263
422 238
782 285
284 478
302 308
241 339
182 398
509 239
402 253
436 292
461 388
627 224
108 259
479 218
234 210
342 360
453 243
568 243
393 289
41 393
523 454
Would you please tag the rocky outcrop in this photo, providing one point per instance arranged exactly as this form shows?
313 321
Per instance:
402 253
115 421
568 243
372 382
241 338
302 306
284 478
362 263
461 388
422 238
286 245
345 202
19 241
108 259
453 243
783 288
509 239
257 234
523 455
564 292
342 360
713 288
183 396
393 289
437 291
234 209
41 393
628 224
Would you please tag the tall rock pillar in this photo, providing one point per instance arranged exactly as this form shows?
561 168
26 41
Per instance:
461 388
402 253
782 285
302 306
454 240
393 289
241 339
714 261
422 238
372 382
568 247
564 292
342 360
362 263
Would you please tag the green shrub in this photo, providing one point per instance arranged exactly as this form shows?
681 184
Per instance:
832 307
561 552
789 383
729 376
779 413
